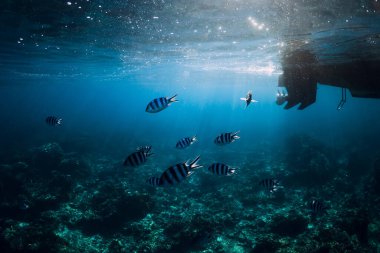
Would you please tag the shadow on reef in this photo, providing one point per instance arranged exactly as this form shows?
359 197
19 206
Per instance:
37 236
113 208
309 162
375 177
40 181
193 235
292 225
37 182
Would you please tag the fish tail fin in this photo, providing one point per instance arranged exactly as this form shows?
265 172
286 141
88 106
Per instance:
148 150
194 138
194 164
59 122
244 99
234 135
232 171
254 101
173 99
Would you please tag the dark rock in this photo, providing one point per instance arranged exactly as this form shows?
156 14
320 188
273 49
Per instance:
291 225
323 249
174 227
113 208
358 165
336 240
76 168
10 186
355 222
266 246
5 246
31 237
115 247
188 240
12 193
136 207
47 157
376 176
49 193
309 162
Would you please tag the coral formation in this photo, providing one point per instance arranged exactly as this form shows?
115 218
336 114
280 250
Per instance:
52 201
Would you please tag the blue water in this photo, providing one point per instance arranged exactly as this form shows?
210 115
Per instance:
98 66
209 103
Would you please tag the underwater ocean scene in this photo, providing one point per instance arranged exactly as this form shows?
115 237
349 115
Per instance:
190 126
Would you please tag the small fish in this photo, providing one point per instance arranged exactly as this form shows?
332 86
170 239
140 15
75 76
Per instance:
270 184
53 121
177 173
136 158
248 99
185 142
317 207
221 169
24 205
159 104
154 181
226 138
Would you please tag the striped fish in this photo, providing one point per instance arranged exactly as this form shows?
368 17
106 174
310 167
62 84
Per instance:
159 104
226 138
136 158
317 207
185 142
221 169
154 181
270 184
53 121
177 173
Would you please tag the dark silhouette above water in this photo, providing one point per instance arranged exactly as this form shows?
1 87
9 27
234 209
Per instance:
302 72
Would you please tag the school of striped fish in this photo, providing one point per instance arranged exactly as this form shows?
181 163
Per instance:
179 172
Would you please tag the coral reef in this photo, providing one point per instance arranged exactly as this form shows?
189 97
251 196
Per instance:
71 203
290 225
310 163
47 157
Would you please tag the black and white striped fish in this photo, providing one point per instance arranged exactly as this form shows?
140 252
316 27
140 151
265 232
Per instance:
137 158
226 138
317 207
154 181
53 121
221 169
159 104
179 172
185 142
270 184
